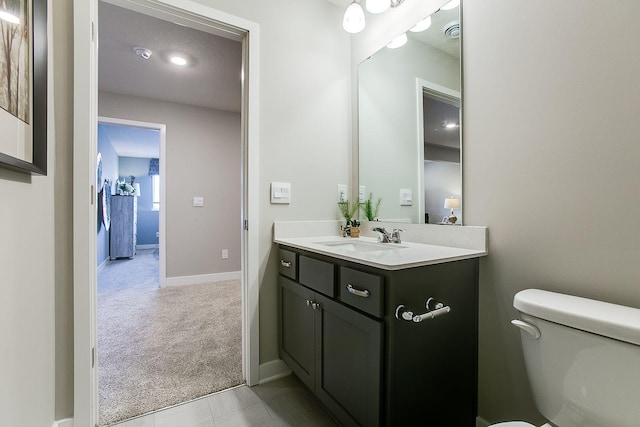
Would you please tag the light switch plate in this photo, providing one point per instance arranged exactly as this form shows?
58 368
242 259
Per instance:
198 201
281 192
362 196
342 193
406 197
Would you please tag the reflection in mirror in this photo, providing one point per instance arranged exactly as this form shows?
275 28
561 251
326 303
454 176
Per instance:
409 124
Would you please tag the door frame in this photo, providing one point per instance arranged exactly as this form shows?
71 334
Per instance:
162 128
447 95
85 102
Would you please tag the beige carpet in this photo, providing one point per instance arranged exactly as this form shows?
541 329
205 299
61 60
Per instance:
159 347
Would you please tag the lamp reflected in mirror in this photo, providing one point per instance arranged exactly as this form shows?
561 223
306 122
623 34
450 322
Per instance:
452 203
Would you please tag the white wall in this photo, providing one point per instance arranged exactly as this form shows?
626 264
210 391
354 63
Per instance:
203 159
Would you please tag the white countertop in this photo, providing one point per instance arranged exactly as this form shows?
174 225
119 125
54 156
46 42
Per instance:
392 256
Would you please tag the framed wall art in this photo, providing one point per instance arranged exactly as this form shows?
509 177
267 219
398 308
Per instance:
23 85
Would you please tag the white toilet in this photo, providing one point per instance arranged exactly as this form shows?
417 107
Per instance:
582 358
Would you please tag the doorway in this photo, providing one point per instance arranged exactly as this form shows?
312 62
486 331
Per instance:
85 101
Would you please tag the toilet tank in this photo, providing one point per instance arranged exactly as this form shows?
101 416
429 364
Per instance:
584 369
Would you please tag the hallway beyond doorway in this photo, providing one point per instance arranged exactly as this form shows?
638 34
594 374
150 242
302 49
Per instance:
158 347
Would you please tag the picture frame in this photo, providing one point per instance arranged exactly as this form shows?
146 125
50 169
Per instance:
36 161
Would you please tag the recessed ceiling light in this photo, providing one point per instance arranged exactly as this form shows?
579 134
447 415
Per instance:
449 125
6 16
178 60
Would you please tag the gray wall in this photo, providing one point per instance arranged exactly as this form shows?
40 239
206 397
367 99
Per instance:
560 79
148 223
557 182
203 159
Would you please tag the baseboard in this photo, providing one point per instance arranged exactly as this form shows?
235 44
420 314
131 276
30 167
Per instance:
202 278
147 246
102 265
273 370
481 422
67 422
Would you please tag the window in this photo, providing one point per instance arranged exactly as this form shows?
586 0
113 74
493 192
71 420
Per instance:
156 192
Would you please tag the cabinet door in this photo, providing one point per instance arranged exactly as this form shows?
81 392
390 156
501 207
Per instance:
348 364
297 329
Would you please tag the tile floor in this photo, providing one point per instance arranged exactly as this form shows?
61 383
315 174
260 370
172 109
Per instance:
283 403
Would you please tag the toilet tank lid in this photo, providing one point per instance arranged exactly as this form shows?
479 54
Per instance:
602 318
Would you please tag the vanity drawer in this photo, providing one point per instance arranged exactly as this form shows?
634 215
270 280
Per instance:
287 265
363 291
317 275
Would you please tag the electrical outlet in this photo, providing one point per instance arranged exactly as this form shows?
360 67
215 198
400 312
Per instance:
342 193
225 254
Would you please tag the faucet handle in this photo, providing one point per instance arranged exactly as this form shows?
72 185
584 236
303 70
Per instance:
395 235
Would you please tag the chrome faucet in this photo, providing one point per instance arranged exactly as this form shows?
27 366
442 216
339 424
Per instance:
386 237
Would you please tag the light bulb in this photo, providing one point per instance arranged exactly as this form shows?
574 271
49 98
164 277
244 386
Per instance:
451 5
6 16
178 60
353 19
422 25
378 6
398 41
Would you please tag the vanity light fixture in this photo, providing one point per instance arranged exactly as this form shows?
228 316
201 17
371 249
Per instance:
377 6
451 5
449 125
9 17
452 203
353 21
397 42
422 25
178 60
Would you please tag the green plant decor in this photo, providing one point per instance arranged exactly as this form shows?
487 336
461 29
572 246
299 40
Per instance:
370 208
348 210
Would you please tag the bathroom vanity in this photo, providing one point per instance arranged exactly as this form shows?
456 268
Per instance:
382 334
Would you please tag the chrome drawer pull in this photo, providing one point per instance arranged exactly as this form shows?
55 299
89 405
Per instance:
285 263
358 292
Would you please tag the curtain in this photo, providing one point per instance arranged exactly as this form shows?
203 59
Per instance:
154 167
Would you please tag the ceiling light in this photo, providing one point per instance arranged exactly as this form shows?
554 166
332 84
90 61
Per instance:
398 41
178 60
449 125
6 16
422 25
377 6
451 5
353 18
142 52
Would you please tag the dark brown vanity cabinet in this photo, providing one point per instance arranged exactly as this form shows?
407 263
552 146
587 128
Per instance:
349 332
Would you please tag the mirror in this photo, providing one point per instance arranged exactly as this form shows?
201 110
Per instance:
409 125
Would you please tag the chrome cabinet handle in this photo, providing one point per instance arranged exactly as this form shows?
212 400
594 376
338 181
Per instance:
313 304
358 292
285 263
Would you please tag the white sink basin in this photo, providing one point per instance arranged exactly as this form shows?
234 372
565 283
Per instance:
360 246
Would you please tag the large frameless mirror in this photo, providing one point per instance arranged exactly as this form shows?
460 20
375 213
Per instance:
410 125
